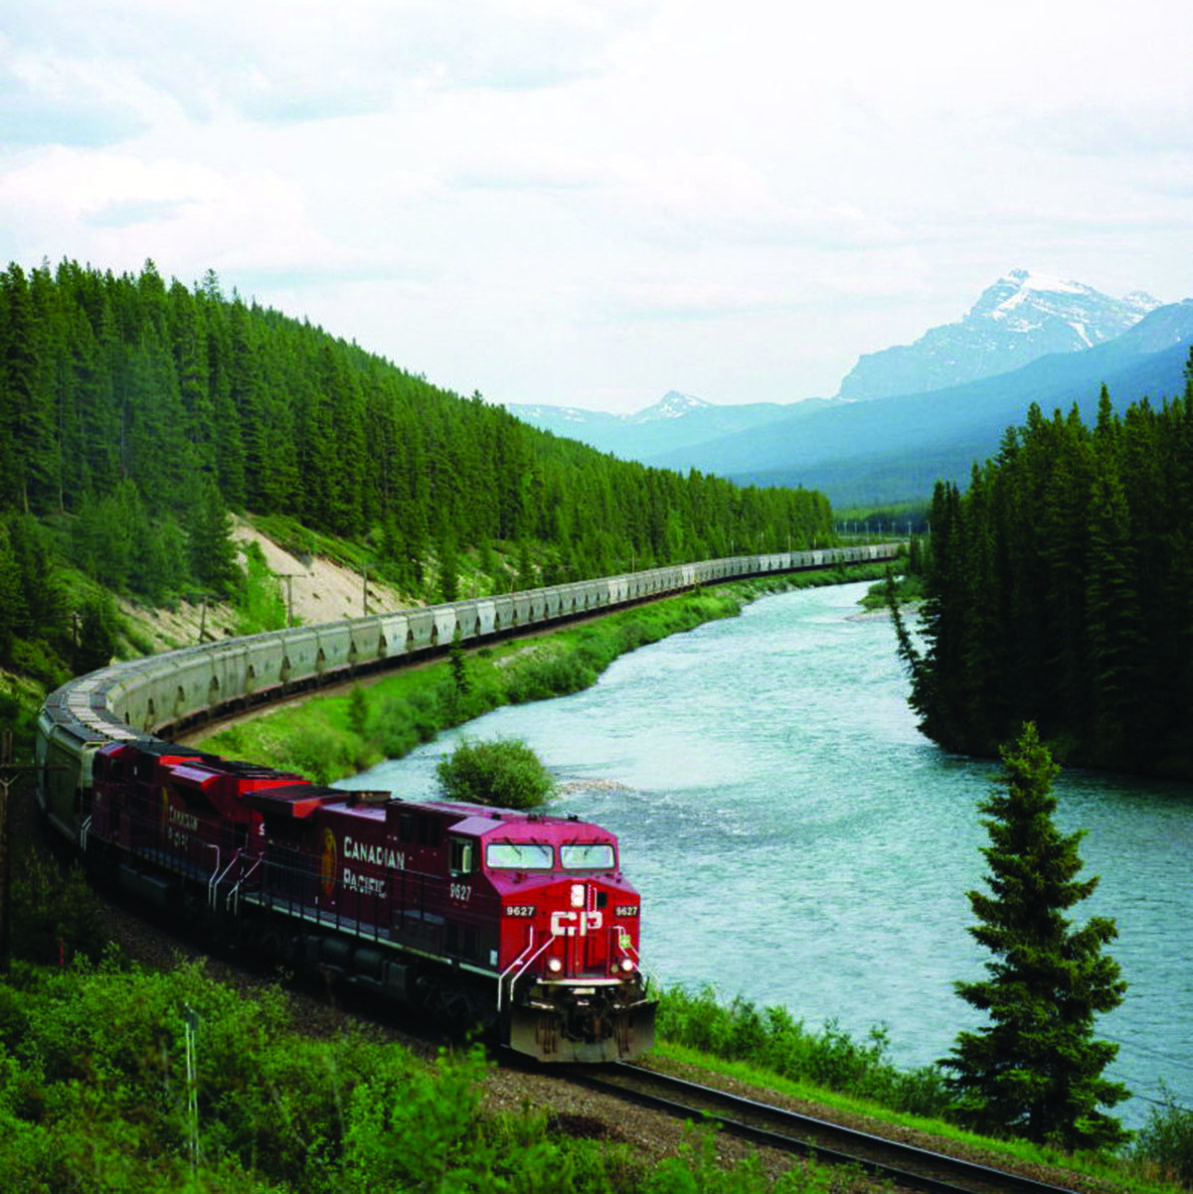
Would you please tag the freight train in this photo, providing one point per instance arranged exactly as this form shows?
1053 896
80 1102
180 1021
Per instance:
521 922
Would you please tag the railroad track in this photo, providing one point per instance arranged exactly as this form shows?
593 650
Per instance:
907 1166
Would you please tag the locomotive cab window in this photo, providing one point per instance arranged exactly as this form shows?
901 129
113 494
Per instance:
588 856
463 855
519 856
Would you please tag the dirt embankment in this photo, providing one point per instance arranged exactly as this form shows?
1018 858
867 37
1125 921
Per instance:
314 589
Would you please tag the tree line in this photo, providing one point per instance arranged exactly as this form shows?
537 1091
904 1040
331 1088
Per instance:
135 413
1059 590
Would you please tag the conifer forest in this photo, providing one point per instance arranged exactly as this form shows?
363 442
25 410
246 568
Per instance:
1060 591
135 413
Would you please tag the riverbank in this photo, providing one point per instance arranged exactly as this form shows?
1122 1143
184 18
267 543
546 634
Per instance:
331 736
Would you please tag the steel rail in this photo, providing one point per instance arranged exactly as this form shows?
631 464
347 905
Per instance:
909 1166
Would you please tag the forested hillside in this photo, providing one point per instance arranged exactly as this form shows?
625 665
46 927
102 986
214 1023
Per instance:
134 413
1060 590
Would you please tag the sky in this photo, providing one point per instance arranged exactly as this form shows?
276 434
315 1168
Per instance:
590 204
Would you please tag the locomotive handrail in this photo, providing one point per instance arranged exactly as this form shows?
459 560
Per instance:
217 877
520 966
623 942
212 846
233 901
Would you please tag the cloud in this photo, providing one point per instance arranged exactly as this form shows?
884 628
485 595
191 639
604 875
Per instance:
134 212
550 198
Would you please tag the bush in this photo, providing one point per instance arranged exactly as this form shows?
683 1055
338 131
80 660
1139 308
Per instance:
505 773
320 753
55 915
94 1097
547 672
775 1041
1166 1141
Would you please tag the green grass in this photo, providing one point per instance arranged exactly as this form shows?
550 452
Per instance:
1126 1174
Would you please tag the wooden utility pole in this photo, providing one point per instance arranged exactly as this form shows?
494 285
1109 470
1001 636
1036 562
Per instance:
288 577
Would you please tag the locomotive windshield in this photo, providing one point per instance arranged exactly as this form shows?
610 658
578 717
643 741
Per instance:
590 856
519 856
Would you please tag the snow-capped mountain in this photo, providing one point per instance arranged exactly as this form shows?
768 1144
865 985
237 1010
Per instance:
1022 317
672 405
674 421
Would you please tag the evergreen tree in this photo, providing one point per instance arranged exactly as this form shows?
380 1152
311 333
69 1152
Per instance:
97 635
12 600
213 552
1035 1069
449 571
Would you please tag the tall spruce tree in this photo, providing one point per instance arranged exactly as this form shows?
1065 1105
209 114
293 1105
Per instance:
1035 1070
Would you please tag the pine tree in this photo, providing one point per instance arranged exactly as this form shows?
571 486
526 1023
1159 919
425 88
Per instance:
97 635
1035 1069
213 551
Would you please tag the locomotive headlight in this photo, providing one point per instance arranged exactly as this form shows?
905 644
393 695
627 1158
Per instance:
577 895
554 965
627 965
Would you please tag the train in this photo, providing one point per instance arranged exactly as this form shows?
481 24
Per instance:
522 923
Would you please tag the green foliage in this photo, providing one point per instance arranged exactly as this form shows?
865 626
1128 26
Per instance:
94 1097
212 552
505 773
55 915
33 604
358 710
97 635
773 1040
134 409
697 1168
1166 1142
260 604
1035 1069
1059 589
19 708
321 753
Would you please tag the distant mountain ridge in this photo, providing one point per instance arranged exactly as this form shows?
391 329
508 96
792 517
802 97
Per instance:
894 446
1022 317
675 422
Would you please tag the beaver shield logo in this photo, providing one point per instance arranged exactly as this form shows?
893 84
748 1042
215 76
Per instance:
327 864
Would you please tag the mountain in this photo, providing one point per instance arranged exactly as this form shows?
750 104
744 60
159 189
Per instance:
1022 317
1027 339
676 422
895 448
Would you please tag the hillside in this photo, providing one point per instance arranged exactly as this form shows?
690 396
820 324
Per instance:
313 589
136 413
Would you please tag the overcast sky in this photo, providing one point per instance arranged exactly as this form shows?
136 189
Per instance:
594 203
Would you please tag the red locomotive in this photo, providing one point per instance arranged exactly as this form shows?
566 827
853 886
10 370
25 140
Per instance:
517 921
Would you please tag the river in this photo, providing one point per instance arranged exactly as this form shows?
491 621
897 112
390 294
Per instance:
797 841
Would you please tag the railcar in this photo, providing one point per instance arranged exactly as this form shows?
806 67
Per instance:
518 922
522 921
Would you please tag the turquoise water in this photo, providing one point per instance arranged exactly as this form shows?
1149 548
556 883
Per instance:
797 841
